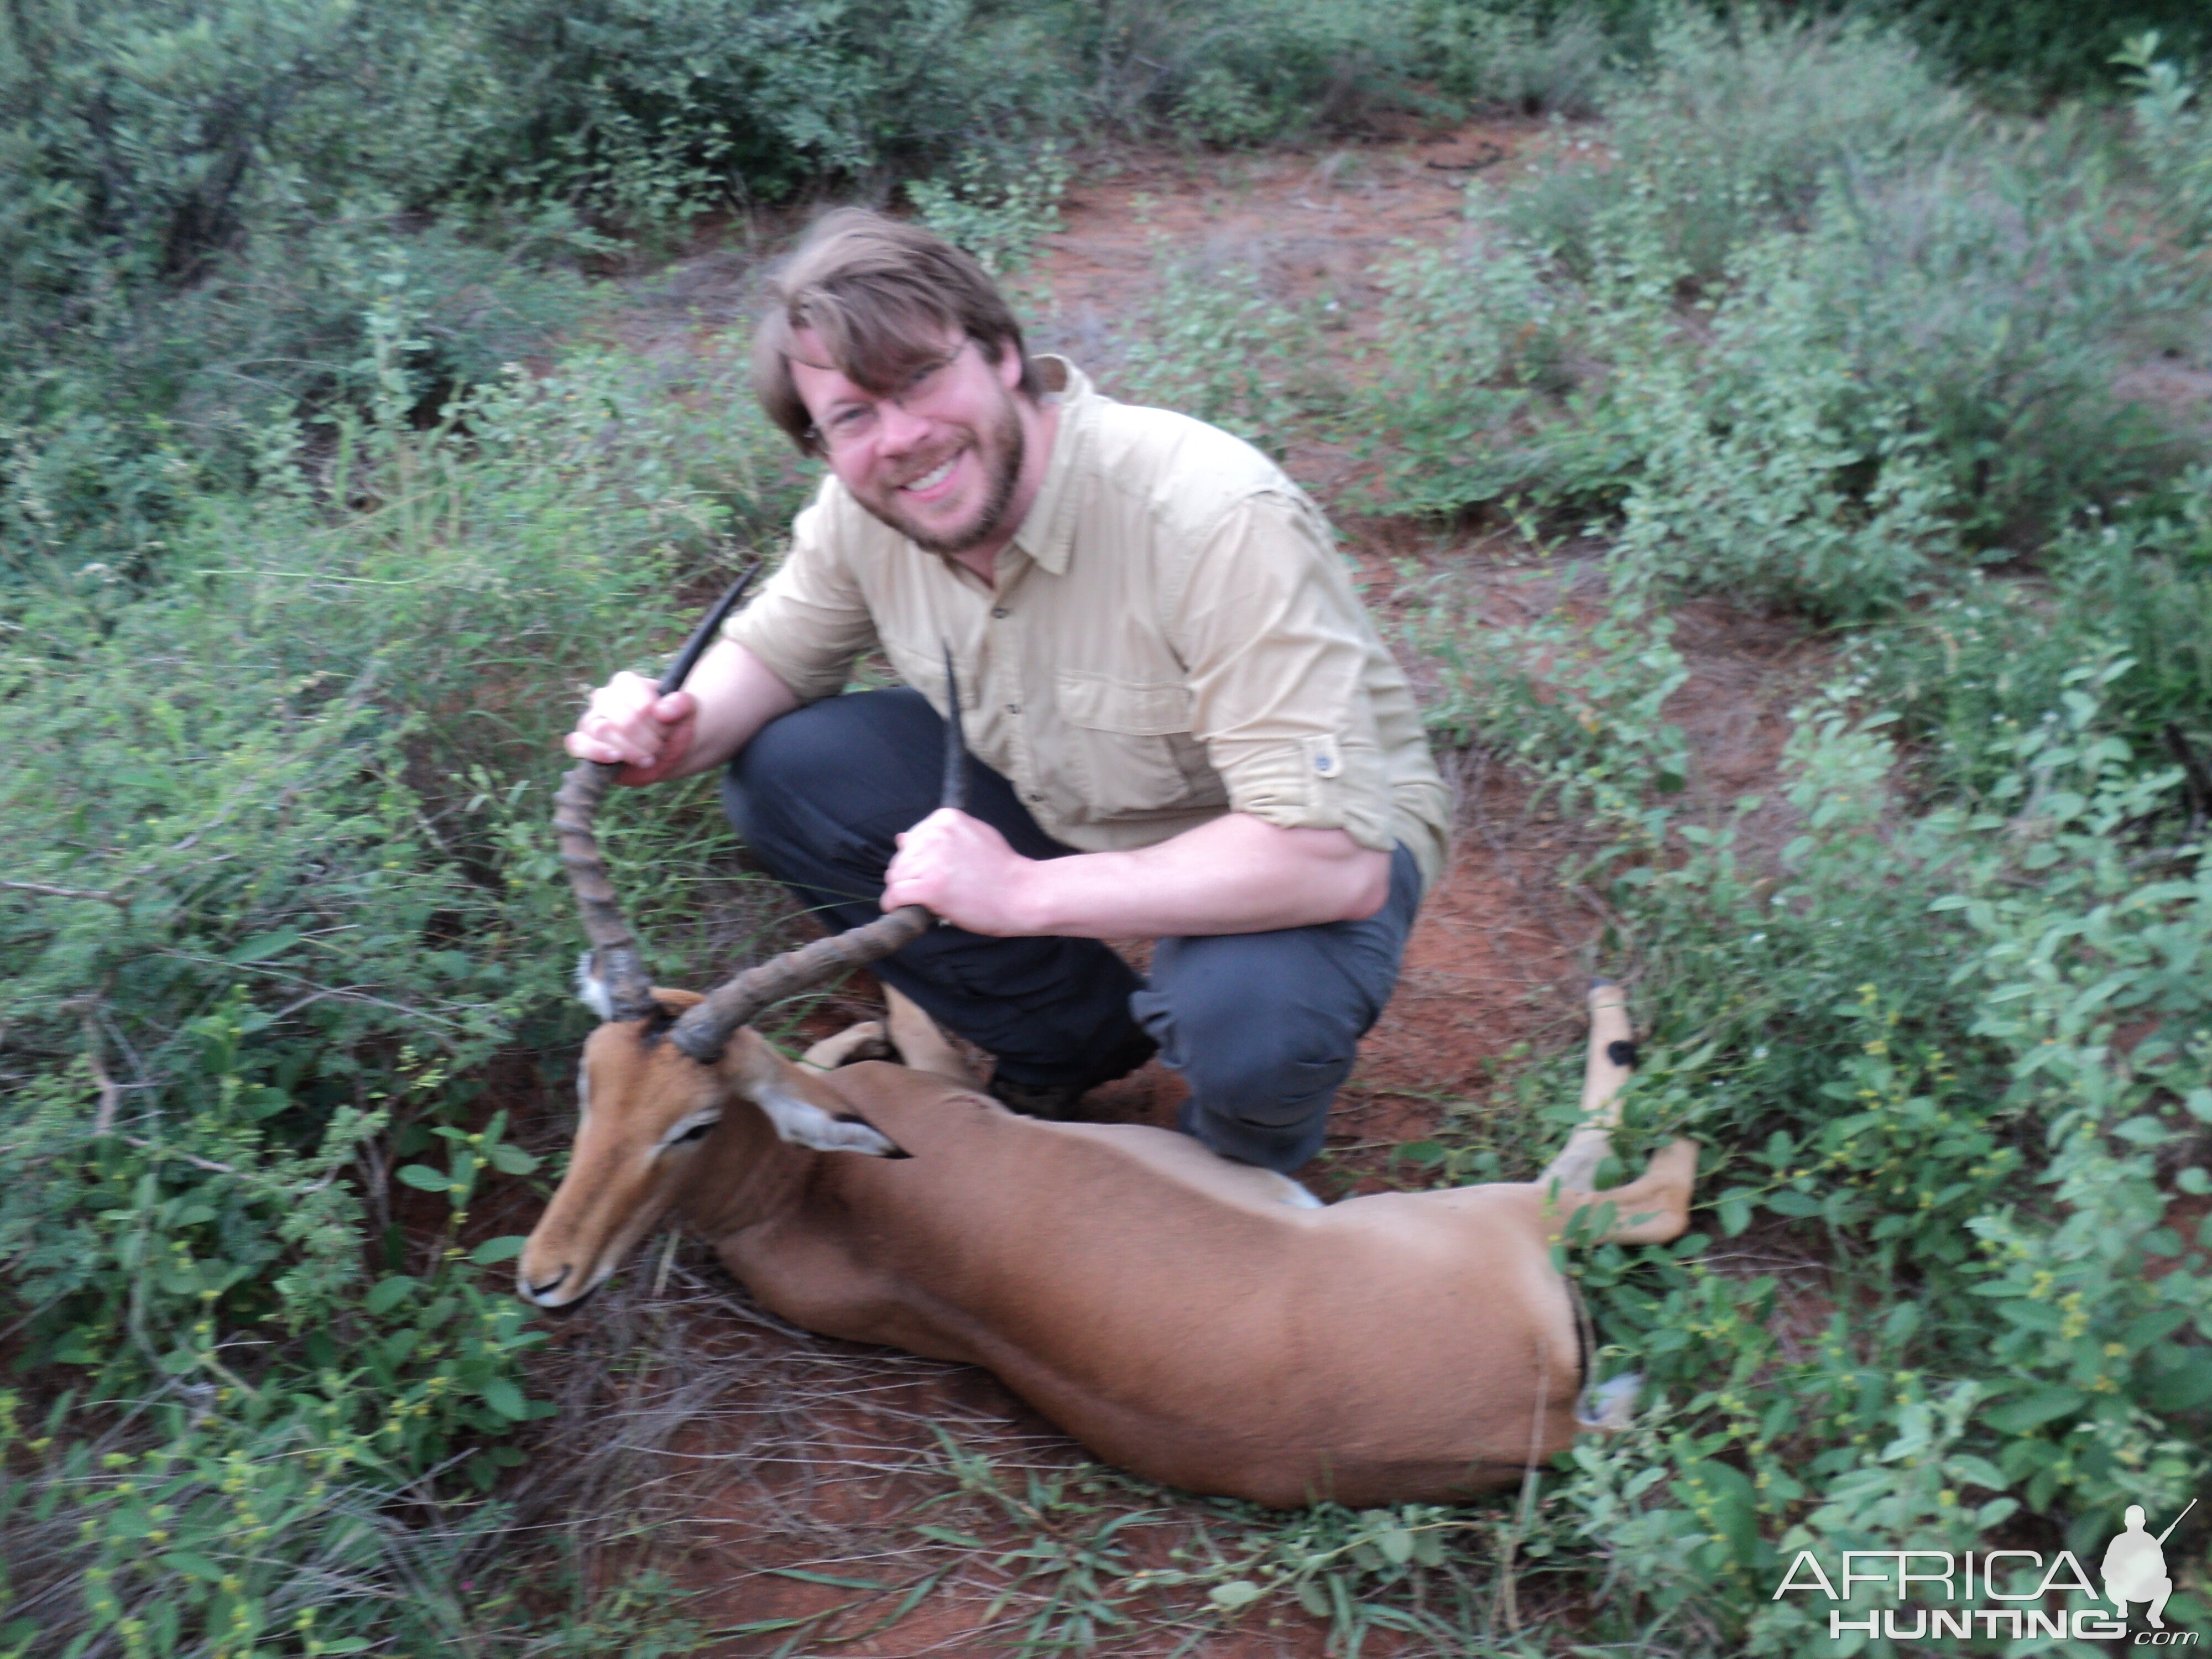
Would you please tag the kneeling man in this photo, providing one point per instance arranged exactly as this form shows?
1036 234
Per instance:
1184 726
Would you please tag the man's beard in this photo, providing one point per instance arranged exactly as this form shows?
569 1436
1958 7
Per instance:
998 491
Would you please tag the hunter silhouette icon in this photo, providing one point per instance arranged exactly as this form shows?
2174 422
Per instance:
2134 1566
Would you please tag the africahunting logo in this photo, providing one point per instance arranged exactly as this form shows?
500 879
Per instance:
2133 1570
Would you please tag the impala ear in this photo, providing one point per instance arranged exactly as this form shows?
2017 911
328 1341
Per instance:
803 1123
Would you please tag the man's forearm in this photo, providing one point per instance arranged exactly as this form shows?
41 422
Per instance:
738 695
1237 874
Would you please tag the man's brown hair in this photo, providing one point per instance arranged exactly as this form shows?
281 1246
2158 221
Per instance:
880 297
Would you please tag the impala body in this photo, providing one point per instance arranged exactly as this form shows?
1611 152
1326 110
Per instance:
1197 1322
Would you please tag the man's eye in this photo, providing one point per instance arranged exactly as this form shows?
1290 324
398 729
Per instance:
848 419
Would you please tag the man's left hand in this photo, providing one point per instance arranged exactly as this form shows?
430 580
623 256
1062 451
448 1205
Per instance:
963 870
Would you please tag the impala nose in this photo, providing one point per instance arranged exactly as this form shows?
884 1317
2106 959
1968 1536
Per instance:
539 1292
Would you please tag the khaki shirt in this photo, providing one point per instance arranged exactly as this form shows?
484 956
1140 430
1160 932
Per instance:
1172 636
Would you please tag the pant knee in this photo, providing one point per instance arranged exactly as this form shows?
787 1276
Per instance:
1262 1082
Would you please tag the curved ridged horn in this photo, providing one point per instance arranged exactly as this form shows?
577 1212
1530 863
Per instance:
616 963
704 1030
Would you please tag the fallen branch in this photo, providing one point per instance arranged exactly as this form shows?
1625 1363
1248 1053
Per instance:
51 891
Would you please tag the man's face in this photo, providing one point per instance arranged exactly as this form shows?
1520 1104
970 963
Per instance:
938 461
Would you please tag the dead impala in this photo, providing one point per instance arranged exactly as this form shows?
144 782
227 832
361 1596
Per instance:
1198 1321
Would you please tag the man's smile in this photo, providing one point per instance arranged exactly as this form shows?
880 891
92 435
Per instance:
928 482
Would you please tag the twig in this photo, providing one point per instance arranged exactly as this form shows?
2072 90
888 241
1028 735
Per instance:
171 1151
2194 771
1496 155
110 1095
115 899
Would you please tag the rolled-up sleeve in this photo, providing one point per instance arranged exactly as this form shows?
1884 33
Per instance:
811 621
1270 634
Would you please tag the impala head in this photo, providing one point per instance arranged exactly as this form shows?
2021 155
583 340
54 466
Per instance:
651 1125
660 1075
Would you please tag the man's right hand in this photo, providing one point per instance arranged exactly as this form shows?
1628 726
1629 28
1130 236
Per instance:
628 721
732 696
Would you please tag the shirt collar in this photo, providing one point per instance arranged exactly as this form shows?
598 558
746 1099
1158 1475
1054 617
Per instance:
1048 534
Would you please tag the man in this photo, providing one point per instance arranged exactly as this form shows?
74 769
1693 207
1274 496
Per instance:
2133 1567
1185 727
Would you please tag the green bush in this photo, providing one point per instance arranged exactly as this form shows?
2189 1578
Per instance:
1213 344
1510 56
2176 139
1731 130
1817 364
1948 1068
283 893
2035 49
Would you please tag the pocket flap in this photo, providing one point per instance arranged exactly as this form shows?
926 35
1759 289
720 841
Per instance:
1101 704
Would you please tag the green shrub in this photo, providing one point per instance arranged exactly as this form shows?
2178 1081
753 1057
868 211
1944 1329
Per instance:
2126 620
1731 130
1213 344
1912 350
2176 140
1998 295
1508 55
996 210
1950 1067
284 891
2035 49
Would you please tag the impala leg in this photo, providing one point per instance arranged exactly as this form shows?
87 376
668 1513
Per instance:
865 1041
921 1046
1612 1052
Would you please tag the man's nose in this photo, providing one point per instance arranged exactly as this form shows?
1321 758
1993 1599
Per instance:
896 431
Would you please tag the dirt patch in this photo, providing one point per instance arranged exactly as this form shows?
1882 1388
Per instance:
816 1498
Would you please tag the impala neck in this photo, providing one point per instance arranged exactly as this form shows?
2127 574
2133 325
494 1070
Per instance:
747 1174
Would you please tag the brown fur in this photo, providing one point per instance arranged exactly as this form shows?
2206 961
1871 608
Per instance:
1167 1307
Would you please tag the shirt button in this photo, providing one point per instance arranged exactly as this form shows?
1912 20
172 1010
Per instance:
1036 795
1013 708
999 612
1324 765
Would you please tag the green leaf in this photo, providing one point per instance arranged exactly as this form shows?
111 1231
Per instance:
511 1160
426 1179
2033 1410
1236 1593
806 1577
389 1293
192 1566
504 1248
264 947
503 1397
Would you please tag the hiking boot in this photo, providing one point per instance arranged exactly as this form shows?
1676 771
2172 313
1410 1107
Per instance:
1057 1102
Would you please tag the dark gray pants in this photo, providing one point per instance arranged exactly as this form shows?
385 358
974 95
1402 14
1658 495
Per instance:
1264 1025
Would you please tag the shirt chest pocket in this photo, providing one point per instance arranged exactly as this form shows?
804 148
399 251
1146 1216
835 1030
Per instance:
1129 746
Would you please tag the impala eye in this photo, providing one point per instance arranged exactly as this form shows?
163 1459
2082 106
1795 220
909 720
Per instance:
698 1131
